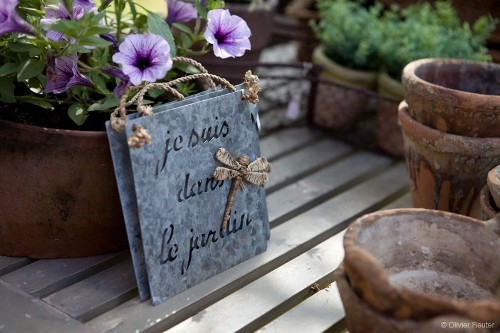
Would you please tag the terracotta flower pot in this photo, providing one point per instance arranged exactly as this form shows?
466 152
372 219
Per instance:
389 136
488 206
447 171
454 96
58 193
418 264
490 194
363 318
342 95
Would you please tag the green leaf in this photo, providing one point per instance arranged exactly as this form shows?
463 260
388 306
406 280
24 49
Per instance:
77 113
41 102
94 41
30 68
7 90
8 68
183 28
24 47
159 26
108 104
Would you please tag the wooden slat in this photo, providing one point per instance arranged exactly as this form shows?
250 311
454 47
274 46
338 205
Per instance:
317 188
316 314
8 264
288 240
325 183
253 305
20 312
46 276
287 140
304 161
324 309
96 294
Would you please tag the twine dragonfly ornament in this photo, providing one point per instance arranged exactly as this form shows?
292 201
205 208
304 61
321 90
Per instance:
239 171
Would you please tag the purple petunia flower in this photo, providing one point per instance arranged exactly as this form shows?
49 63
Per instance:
229 34
52 15
88 5
144 57
180 11
10 21
124 83
62 74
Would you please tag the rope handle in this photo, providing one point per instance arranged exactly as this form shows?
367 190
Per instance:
119 115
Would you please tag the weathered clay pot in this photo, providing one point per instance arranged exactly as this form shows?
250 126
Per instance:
418 264
342 95
454 96
447 171
490 195
488 207
363 318
389 136
493 182
58 193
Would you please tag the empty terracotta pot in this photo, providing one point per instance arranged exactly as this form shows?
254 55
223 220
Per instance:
363 318
447 171
454 96
418 264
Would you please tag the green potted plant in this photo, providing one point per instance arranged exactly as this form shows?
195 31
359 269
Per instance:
63 67
420 31
349 36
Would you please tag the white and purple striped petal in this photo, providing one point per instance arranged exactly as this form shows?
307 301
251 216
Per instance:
229 34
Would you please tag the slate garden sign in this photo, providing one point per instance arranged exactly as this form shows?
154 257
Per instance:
190 178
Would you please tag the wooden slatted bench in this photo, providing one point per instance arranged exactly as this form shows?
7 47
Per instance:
319 185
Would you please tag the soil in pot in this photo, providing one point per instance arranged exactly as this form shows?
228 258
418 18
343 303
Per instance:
363 318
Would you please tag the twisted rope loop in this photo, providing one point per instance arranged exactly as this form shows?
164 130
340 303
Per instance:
141 136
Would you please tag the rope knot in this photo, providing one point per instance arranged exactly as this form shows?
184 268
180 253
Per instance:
251 85
140 137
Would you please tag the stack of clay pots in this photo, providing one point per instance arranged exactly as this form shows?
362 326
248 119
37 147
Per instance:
450 120
419 270
490 195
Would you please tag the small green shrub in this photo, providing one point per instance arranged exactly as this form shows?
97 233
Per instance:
346 29
371 38
425 31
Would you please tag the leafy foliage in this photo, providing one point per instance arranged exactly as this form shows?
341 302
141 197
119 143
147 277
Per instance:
425 31
88 35
349 32
371 38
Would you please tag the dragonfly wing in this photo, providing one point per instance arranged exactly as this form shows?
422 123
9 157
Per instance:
257 178
224 157
260 165
222 173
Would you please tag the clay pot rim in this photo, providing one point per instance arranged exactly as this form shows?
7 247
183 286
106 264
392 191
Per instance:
410 77
347 293
46 135
334 71
453 143
378 270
